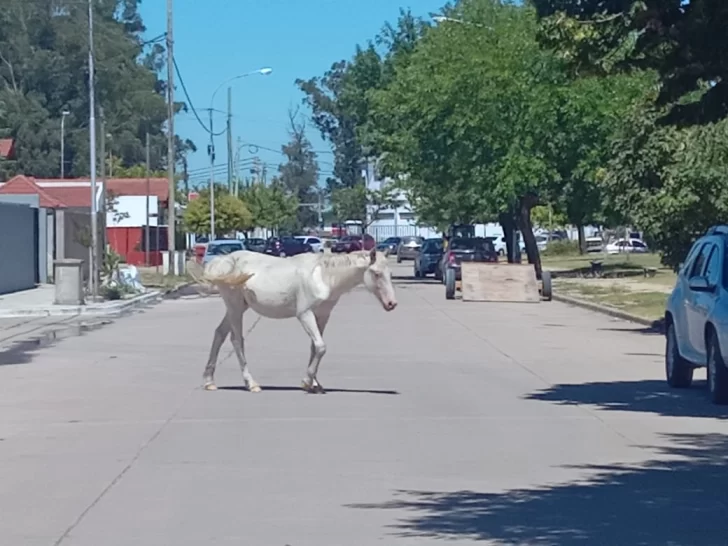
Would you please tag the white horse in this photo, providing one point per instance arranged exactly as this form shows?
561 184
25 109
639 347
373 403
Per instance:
307 286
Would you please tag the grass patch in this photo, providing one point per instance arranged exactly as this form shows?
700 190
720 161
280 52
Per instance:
648 305
152 278
630 266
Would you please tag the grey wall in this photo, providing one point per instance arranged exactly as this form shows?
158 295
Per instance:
18 250
42 244
73 236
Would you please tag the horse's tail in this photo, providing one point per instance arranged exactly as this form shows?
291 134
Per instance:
216 273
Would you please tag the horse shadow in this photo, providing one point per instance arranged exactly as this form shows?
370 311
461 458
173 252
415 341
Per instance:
287 388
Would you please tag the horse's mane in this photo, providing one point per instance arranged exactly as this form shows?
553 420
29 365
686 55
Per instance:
344 261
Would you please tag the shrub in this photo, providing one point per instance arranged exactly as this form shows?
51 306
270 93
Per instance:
561 247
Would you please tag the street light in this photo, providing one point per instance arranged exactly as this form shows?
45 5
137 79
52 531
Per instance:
211 148
63 142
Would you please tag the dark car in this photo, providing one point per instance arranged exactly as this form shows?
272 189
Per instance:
351 243
255 244
427 259
285 246
389 245
466 249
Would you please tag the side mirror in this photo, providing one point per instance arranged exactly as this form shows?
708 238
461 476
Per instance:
700 284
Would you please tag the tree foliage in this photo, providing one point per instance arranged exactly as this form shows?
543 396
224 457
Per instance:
682 41
231 214
271 206
299 175
44 71
361 204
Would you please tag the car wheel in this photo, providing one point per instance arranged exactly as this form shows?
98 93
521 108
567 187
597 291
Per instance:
679 371
450 284
717 372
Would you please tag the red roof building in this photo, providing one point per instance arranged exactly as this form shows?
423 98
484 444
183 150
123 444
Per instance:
76 192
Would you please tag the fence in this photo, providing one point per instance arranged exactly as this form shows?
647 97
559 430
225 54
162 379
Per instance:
380 233
19 260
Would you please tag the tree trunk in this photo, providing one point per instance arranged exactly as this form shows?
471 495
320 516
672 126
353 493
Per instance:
582 238
508 224
529 239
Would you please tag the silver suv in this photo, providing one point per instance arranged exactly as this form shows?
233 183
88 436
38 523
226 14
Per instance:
696 318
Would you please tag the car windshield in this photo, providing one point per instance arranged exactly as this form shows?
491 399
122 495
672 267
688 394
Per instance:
392 240
472 244
406 240
218 249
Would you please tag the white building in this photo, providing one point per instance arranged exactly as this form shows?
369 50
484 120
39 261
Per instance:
392 222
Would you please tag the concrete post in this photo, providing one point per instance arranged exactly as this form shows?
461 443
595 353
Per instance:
69 282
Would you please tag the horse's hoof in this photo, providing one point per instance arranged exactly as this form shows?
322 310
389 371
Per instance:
210 387
316 388
254 388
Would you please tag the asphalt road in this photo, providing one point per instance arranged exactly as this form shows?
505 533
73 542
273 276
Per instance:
445 422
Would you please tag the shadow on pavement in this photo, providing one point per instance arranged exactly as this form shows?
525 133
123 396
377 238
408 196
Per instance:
23 351
659 503
277 388
648 396
656 329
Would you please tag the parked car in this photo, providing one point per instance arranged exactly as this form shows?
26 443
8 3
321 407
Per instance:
255 244
389 245
285 246
315 242
696 316
220 247
350 243
428 257
594 245
408 248
465 249
627 245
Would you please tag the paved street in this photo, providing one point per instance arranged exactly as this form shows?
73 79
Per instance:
444 422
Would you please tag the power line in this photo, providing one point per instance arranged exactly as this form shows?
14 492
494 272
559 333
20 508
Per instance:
189 101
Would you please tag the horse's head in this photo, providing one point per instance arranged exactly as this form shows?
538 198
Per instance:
378 280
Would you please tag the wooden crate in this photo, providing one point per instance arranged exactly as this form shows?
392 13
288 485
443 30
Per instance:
499 282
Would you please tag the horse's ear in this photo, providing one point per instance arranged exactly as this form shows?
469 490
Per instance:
373 255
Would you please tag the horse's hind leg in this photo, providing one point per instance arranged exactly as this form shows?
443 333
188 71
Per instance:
236 310
221 333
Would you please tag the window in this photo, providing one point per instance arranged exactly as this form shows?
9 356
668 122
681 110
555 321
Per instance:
712 269
688 261
638 244
313 241
407 215
699 264
223 248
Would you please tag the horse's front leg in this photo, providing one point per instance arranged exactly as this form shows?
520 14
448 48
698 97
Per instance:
311 324
221 333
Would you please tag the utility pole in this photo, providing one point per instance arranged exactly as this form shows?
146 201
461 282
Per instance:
238 170
230 139
102 161
211 152
146 227
172 209
93 257
185 175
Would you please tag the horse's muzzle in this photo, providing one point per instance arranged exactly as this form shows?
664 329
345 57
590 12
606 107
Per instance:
390 305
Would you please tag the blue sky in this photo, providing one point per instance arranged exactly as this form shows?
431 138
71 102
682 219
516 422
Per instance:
218 39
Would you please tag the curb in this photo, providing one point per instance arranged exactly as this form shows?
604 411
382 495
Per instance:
102 310
616 313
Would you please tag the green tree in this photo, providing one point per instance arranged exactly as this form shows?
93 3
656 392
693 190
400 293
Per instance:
43 72
670 181
231 214
271 207
299 175
361 204
340 100
681 41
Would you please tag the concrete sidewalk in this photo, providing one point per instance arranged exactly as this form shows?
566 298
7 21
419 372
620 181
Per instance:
38 302
450 422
